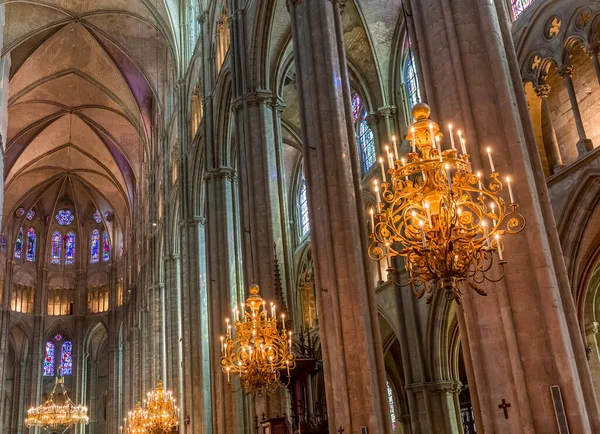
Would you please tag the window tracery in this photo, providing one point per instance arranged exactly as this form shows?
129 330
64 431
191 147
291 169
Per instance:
519 6
303 217
64 217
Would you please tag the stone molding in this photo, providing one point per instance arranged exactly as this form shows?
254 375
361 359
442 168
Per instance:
447 387
221 173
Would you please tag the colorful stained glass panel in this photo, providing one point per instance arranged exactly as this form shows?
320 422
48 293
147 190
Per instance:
55 248
519 6
390 394
70 249
97 217
303 209
30 245
105 247
19 245
356 107
121 248
58 337
20 212
94 246
412 81
66 359
30 215
64 217
49 360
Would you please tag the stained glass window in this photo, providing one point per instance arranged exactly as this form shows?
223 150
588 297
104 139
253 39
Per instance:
303 208
121 248
30 245
412 81
58 337
97 217
390 394
94 246
64 217
49 360
356 107
19 245
55 248
364 135
105 247
20 212
70 249
30 215
519 6
66 359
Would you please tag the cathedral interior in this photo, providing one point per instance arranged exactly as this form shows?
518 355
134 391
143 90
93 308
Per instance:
162 157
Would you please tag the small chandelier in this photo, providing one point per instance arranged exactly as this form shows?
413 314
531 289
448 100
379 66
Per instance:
162 414
135 423
159 416
58 413
444 220
259 350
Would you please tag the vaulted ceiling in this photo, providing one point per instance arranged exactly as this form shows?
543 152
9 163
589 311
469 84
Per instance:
87 80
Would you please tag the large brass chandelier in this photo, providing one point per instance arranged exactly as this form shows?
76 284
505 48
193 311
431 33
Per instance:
258 350
444 220
58 413
159 415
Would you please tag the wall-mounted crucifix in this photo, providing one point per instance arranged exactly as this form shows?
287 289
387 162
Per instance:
504 406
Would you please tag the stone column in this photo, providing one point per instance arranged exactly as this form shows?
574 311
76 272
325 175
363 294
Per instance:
592 51
542 91
223 293
523 337
584 144
350 336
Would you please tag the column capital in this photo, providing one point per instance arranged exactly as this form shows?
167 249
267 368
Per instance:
542 91
566 70
448 387
220 173
591 50
260 97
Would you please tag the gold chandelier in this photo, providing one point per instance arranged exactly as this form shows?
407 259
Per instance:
259 350
159 416
57 414
444 220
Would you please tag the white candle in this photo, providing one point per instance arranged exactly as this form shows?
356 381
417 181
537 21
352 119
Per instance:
449 176
412 142
283 320
451 136
423 234
489 152
382 169
512 199
222 343
479 180
463 146
391 160
499 246
376 188
372 212
428 213
493 209
395 147
485 231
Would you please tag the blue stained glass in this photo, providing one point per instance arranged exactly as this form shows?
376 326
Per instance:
66 359
58 337
30 245
56 246
519 6
303 209
70 249
19 245
364 136
30 215
412 81
49 360
94 246
391 405
356 107
105 247
20 212
64 217
97 217
121 248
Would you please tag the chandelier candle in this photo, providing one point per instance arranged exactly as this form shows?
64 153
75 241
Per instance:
440 216
260 350
396 154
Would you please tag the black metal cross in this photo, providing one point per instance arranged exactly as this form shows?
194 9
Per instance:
504 406
341 430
